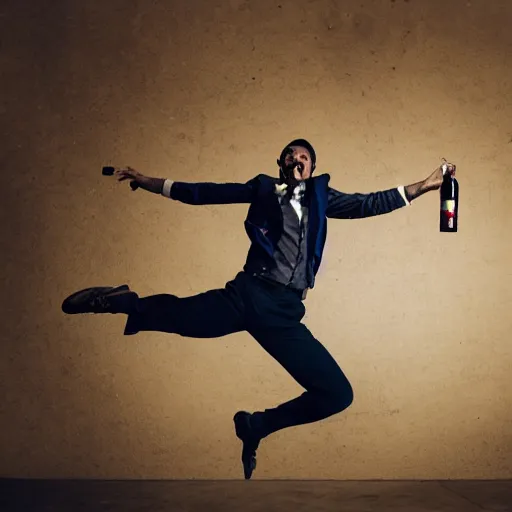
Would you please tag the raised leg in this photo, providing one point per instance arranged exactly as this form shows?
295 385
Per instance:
211 314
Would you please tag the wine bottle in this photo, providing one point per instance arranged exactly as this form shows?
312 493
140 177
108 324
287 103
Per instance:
449 195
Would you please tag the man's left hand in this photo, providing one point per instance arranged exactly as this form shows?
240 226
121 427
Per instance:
435 180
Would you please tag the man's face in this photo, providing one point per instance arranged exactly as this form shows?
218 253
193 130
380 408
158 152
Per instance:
297 163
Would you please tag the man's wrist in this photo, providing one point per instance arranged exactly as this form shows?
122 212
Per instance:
154 185
415 190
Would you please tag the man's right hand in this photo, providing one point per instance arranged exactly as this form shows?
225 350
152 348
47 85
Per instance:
129 174
150 184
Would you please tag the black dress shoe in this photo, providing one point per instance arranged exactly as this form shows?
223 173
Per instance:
101 299
250 441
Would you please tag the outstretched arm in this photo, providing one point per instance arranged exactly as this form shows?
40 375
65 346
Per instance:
191 193
358 206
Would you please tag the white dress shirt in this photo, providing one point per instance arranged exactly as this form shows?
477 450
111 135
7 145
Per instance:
295 200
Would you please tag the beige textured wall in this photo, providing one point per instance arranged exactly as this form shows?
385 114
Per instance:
210 90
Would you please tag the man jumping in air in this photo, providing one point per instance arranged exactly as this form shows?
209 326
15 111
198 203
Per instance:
287 226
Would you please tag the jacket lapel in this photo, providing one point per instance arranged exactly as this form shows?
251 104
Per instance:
267 215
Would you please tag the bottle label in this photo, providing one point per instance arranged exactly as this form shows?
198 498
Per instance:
448 206
448 211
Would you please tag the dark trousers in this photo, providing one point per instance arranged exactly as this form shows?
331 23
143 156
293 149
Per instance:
272 314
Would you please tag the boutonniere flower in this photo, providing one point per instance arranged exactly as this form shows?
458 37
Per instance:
281 189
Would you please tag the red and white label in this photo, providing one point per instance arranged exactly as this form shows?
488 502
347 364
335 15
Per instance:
448 210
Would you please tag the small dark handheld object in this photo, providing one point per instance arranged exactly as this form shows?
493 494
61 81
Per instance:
109 171
449 196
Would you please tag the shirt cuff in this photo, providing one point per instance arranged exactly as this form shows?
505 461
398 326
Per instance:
166 189
401 189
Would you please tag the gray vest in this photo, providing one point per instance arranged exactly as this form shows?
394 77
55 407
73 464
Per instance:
289 266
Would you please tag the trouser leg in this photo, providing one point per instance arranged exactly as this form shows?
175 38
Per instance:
328 391
211 314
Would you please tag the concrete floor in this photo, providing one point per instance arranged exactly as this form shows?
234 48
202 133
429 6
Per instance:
256 495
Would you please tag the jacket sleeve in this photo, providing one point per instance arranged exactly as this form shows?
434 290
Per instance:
358 206
213 193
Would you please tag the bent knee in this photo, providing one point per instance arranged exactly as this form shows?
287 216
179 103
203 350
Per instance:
343 397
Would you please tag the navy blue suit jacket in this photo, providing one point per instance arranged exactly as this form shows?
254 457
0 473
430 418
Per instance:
264 222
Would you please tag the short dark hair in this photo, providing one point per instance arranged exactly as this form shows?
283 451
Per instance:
303 143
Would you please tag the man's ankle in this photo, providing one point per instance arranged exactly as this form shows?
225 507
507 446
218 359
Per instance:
124 302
